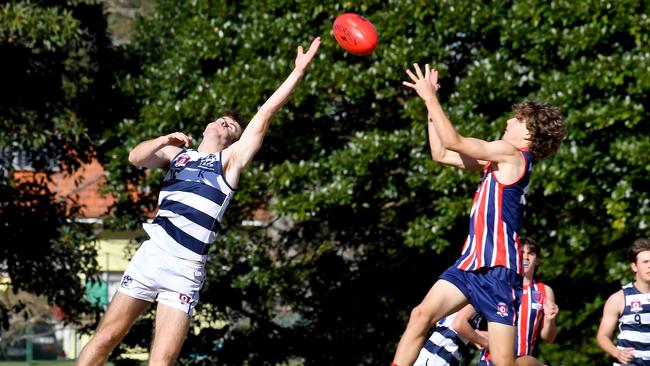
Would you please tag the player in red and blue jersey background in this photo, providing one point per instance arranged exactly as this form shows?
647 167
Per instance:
488 274
537 311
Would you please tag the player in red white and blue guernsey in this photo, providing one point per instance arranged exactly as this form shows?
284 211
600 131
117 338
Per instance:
537 311
488 274
630 309
169 268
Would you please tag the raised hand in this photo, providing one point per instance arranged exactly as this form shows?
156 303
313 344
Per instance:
426 85
303 59
178 139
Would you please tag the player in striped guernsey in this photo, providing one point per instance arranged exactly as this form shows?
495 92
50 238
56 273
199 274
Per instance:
537 311
489 272
169 268
630 308
448 343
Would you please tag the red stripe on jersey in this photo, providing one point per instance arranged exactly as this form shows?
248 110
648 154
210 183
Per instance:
522 326
538 319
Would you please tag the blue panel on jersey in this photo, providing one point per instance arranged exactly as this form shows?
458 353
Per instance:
181 237
202 190
200 218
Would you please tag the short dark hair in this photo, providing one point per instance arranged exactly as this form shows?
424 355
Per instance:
235 116
533 247
638 246
545 125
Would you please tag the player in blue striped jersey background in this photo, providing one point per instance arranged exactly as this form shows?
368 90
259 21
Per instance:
629 308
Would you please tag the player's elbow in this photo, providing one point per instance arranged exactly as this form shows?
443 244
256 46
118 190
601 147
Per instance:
134 159
437 156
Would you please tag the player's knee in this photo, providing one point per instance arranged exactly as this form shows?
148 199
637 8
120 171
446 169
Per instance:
418 315
106 339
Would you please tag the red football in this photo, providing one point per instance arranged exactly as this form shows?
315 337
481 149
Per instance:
355 33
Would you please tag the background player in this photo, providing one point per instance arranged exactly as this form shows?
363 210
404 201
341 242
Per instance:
630 308
446 346
537 312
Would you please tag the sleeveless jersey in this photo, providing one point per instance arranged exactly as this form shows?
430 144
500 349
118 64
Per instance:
192 201
495 222
445 347
529 322
531 313
634 325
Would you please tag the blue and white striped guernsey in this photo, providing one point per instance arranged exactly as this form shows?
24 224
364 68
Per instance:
445 347
634 325
192 201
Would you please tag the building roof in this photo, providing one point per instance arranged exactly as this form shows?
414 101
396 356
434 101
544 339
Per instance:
82 186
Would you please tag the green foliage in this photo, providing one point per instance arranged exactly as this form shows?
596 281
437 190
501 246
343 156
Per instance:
56 100
367 220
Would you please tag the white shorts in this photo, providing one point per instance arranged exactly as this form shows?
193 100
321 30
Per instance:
154 275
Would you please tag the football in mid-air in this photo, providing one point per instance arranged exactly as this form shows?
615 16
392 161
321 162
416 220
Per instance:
355 33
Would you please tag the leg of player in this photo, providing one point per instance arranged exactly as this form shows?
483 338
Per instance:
527 361
121 314
442 300
501 338
170 332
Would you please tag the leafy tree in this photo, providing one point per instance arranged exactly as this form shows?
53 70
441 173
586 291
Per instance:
57 99
363 220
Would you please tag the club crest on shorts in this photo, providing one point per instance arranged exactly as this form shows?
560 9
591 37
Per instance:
502 309
126 281
635 305
185 299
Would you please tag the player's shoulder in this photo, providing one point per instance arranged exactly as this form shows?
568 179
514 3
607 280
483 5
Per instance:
616 301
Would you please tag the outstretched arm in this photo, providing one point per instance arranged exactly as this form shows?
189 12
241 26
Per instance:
158 152
240 154
480 150
611 312
445 156
548 332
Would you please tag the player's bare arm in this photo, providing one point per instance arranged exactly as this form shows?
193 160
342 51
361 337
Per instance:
464 328
611 312
509 164
239 154
549 325
158 152
427 89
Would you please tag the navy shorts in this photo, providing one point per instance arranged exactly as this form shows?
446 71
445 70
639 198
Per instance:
495 292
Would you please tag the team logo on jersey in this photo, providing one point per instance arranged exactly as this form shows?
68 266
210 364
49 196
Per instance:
208 162
185 299
635 305
537 296
182 160
126 281
502 309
